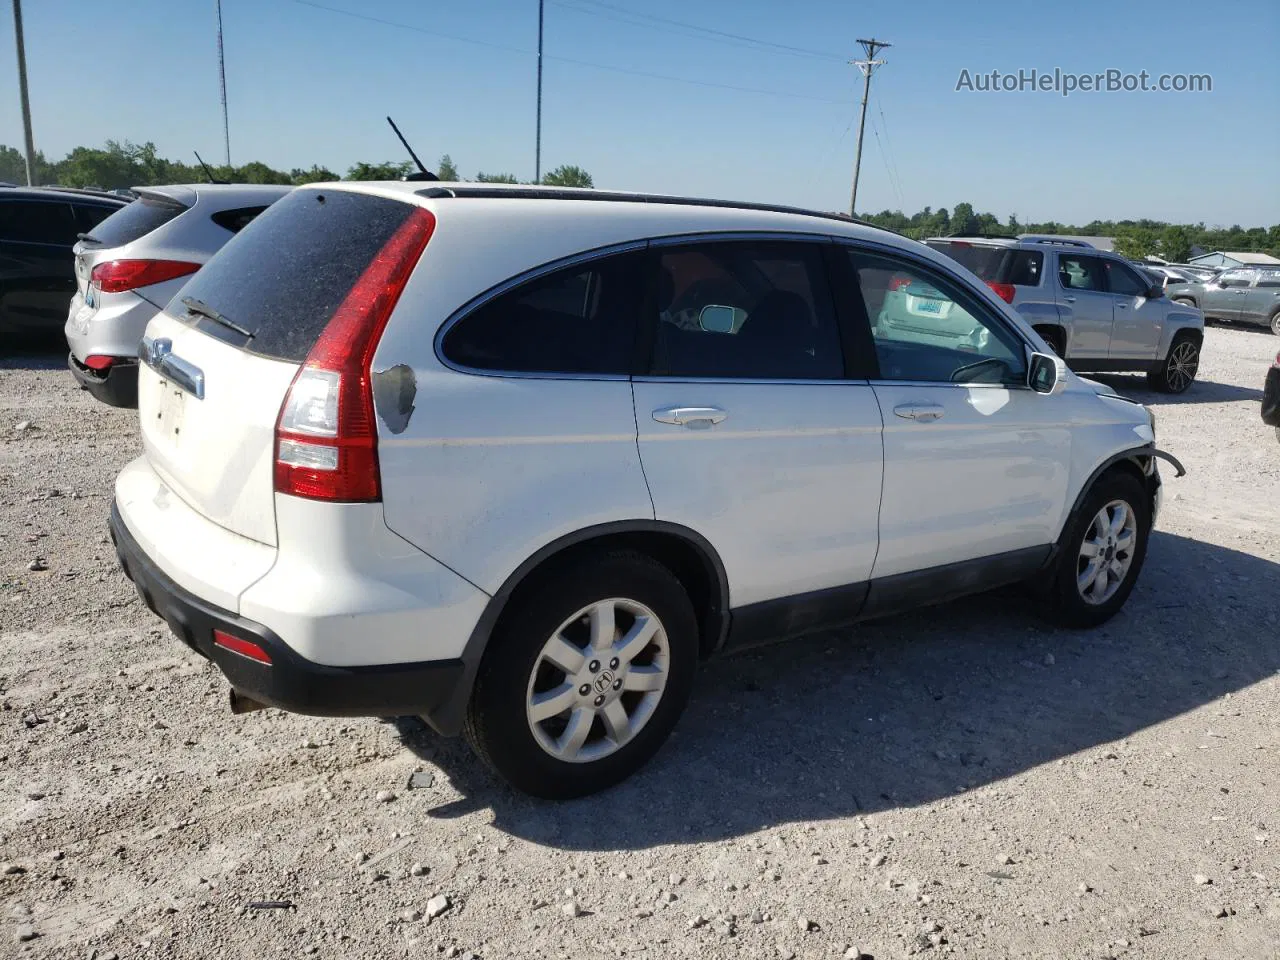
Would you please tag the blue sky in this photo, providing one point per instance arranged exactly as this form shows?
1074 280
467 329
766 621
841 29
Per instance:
308 85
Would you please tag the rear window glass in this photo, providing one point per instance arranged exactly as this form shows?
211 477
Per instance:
38 221
283 276
135 221
996 264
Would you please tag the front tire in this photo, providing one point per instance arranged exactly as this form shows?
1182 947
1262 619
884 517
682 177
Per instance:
1178 370
1275 324
586 675
1102 553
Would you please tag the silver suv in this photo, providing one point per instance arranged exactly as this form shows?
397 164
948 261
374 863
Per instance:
1243 295
1093 307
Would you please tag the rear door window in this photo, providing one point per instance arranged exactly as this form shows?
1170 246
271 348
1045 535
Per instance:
745 310
281 278
1079 272
135 221
581 320
38 221
89 215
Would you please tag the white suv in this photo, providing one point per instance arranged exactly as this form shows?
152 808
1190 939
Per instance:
516 459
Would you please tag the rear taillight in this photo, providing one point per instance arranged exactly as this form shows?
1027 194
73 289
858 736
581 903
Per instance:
897 283
326 434
1004 291
117 276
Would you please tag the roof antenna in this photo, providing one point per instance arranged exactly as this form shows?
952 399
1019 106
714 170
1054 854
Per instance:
207 172
423 173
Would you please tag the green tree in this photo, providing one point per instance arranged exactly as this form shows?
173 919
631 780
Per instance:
962 219
447 170
1136 242
1175 244
379 171
496 178
317 174
1014 228
256 172
566 175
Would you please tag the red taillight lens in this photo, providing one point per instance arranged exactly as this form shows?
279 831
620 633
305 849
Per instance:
246 648
99 362
1004 291
897 283
326 434
117 276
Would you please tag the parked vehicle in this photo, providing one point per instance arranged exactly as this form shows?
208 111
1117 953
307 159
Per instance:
128 267
1241 295
1164 274
1091 306
515 459
38 227
1271 397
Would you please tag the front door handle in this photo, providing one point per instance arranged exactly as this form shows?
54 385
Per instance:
1122 306
923 412
695 418
1069 299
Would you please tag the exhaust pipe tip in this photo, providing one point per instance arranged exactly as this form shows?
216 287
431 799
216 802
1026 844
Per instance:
242 704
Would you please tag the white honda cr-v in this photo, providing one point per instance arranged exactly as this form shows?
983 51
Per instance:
516 459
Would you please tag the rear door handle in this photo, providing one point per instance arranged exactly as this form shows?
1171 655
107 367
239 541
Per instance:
1121 306
923 412
693 417
1069 299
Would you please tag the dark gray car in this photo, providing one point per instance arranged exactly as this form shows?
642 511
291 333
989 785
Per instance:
1241 295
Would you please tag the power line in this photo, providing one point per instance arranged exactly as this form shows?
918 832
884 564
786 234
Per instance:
581 63
893 160
662 24
867 67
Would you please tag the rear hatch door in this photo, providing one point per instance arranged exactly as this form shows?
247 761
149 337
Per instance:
220 359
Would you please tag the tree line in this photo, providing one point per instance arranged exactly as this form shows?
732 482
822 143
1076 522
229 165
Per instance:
127 164
1134 238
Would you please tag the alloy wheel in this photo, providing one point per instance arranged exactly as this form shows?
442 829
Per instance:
597 680
1184 361
1106 553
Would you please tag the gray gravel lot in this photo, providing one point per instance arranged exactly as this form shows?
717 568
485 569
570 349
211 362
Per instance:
961 781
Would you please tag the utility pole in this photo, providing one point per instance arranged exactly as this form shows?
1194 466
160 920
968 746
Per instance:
537 143
22 93
868 67
222 80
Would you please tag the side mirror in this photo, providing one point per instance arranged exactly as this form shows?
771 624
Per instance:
1046 374
1156 291
715 318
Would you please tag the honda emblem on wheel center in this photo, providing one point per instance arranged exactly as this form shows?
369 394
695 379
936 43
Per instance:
604 681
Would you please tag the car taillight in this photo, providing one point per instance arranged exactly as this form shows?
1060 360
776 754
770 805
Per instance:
1004 291
326 434
117 276
897 283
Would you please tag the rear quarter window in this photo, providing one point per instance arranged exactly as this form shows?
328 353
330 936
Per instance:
135 221
283 276
236 220
996 264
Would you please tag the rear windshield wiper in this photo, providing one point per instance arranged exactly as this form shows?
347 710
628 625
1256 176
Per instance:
202 309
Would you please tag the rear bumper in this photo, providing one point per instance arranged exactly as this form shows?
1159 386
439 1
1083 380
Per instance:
117 386
290 682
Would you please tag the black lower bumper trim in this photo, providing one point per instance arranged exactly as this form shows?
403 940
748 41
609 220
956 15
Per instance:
117 387
290 682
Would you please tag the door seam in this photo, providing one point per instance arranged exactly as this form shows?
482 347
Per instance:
635 419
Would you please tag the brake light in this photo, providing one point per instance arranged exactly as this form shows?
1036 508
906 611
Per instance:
98 362
117 276
1004 291
326 434
897 283
246 648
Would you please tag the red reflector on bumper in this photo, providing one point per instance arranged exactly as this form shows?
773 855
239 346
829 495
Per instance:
246 648
98 362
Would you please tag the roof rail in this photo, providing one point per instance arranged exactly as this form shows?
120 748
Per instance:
965 235
1058 241
544 193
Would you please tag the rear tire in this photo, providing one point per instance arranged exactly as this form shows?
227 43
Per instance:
1101 554
1275 323
1178 369
542 717
1184 301
1056 339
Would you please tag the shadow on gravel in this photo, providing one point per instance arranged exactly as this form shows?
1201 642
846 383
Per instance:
1134 386
26 352
910 710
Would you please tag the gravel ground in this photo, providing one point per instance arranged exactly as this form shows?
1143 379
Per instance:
963 780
